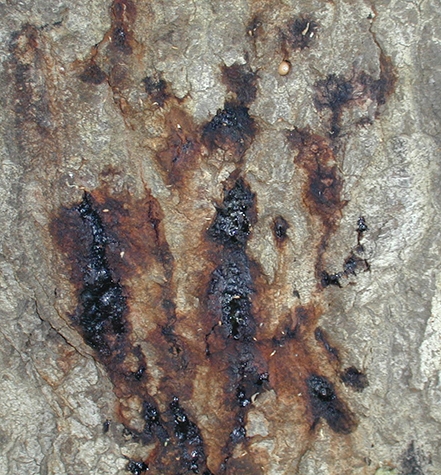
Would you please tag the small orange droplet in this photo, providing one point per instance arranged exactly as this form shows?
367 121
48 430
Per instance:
284 68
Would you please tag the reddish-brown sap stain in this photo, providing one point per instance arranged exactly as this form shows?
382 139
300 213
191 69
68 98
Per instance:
182 147
323 184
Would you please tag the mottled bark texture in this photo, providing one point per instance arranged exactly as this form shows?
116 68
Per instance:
207 266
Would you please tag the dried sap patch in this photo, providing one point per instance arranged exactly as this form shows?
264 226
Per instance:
322 190
354 378
337 92
241 81
231 129
300 32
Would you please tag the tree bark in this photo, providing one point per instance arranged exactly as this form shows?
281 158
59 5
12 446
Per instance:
220 237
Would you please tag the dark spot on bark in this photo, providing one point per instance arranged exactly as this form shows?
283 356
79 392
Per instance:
231 129
253 27
241 397
412 461
354 263
120 39
301 32
103 304
138 374
336 92
354 378
157 90
326 405
241 81
235 217
106 426
136 467
93 74
280 228
330 279
153 424
321 337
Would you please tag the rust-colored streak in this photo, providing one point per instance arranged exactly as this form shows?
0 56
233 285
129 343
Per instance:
123 14
182 148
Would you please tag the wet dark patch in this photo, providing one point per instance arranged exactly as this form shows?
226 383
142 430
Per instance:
235 217
354 263
412 461
330 279
280 228
241 81
362 227
154 425
322 338
31 100
231 343
157 90
354 378
136 467
326 405
300 33
93 74
231 129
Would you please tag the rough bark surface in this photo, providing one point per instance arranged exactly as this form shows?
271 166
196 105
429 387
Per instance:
210 267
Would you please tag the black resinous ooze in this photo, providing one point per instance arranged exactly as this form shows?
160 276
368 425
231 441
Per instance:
231 129
232 225
153 423
189 437
280 228
231 283
325 404
102 299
